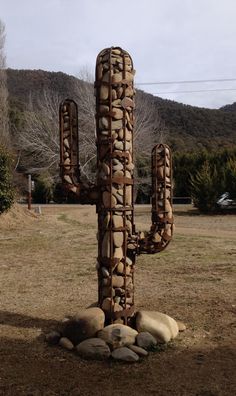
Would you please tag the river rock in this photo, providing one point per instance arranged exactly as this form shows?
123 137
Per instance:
145 340
117 221
108 200
140 351
118 238
104 92
118 253
117 281
66 343
117 113
93 348
85 325
118 335
161 326
125 354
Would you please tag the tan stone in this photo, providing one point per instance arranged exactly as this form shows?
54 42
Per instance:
106 245
128 195
120 268
167 205
117 124
106 169
118 173
161 326
116 103
68 179
108 200
118 253
104 92
118 335
103 123
117 113
117 221
113 94
103 109
107 303
66 343
118 145
66 143
117 281
118 239
106 220
116 78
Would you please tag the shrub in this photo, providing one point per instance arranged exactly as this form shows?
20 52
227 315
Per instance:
43 189
6 189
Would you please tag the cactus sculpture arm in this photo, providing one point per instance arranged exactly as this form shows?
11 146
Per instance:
118 241
69 154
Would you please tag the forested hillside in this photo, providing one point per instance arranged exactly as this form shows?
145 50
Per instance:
188 128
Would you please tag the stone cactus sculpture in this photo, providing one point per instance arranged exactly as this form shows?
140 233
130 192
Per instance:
118 241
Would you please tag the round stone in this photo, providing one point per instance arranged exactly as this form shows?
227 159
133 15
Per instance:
118 238
108 200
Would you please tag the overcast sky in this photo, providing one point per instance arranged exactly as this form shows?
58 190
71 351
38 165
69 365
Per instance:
169 40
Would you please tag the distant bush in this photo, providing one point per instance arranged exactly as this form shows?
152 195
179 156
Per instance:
6 188
43 189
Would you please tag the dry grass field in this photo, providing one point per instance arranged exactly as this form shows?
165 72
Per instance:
47 271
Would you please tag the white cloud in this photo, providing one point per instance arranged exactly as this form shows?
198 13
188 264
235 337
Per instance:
168 39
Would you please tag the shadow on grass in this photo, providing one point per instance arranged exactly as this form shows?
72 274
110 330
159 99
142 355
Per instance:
24 321
35 369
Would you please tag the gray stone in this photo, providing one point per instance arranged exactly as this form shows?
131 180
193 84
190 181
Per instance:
161 326
93 348
118 335
140 351
145 340
105 272
125 354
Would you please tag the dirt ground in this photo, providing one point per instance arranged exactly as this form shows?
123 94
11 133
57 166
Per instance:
47 271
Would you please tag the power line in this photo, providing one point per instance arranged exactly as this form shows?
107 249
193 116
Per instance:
200 90
187 81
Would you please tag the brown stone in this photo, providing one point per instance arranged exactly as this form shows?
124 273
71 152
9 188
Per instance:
117 281
118 238
108 200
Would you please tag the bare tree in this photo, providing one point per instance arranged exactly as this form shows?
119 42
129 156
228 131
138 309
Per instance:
86 122
39 139
4 126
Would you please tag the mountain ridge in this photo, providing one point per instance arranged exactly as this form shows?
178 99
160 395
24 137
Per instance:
189 127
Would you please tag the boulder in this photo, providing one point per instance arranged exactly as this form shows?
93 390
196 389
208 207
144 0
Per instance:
125 354
85 325
118 335
161 326
93 348
145 340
